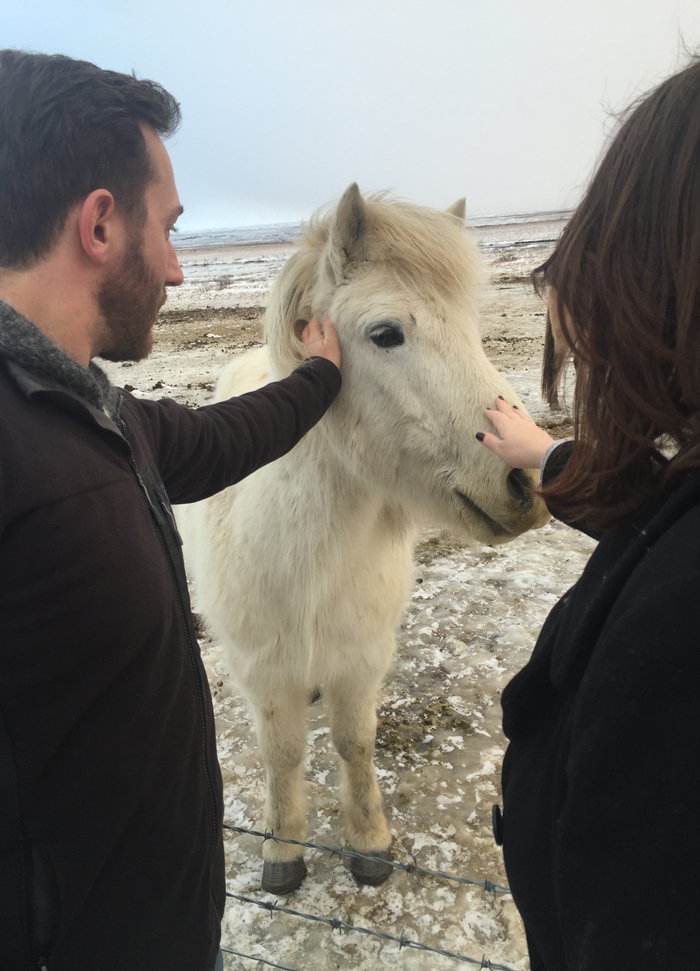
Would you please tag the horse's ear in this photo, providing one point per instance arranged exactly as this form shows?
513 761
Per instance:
349 232
458 209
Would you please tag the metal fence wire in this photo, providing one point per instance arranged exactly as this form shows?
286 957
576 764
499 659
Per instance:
336 924
487 885
255 957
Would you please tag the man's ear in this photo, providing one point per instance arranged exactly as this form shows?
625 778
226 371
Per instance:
98 225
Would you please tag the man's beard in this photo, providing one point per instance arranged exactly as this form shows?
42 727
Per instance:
129 302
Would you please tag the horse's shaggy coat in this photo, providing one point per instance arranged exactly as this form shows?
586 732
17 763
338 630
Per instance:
302 570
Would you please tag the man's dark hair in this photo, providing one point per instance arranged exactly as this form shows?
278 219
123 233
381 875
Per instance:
67 128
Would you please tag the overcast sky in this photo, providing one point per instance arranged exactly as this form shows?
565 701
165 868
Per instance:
286 102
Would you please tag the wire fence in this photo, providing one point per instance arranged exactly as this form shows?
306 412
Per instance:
487 885
256 957
338 925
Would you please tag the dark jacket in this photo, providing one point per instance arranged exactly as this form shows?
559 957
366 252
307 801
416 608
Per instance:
601 780
110 793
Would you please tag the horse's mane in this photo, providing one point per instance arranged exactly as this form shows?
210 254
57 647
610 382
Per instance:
427 250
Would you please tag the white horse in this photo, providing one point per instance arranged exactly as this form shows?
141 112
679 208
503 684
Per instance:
302 570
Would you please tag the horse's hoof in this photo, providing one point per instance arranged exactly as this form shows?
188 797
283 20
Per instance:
369 872
281 878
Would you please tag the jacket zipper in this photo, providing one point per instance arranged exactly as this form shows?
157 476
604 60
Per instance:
167 509
160 522
198 684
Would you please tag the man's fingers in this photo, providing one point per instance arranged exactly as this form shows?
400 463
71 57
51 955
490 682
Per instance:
329 329
315 331
321 341
312 332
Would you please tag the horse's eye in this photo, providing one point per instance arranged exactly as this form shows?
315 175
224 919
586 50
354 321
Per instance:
387 335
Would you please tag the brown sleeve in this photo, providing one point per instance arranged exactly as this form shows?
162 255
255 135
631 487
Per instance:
200 451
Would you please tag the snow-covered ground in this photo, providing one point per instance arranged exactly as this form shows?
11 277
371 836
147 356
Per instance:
470 624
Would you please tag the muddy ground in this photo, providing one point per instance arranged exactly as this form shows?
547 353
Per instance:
469 626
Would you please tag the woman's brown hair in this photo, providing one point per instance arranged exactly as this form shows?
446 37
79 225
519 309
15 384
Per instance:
626 274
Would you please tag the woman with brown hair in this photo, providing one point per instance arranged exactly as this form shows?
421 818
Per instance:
601 780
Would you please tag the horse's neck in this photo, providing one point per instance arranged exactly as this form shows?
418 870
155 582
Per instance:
322 492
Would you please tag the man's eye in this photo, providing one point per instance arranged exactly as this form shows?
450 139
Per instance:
387 335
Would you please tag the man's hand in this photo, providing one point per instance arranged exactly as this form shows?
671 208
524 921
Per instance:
321 341
522 443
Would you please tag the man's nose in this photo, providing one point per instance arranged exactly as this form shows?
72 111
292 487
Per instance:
175 274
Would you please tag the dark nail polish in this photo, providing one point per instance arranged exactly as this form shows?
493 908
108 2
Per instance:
516 408
501 397
479 436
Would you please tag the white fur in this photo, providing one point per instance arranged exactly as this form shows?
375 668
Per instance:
302 570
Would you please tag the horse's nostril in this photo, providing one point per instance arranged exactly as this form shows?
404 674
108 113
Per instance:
519 484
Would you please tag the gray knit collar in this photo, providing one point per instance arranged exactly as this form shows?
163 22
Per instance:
21 341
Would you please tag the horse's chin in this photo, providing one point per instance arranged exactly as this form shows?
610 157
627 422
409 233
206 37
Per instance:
494 529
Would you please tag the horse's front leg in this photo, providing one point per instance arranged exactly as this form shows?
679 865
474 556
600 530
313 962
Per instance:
281 727
354 725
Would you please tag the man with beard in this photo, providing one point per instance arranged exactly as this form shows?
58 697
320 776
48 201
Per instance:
111 853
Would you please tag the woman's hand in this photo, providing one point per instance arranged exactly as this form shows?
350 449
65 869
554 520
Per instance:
522 443
321 341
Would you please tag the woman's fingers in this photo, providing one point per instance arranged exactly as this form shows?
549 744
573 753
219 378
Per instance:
520 442
510 411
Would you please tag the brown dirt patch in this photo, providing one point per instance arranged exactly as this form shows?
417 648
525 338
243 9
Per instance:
401 730
237 327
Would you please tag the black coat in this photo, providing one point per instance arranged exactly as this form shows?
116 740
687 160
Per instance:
111 853
601 780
